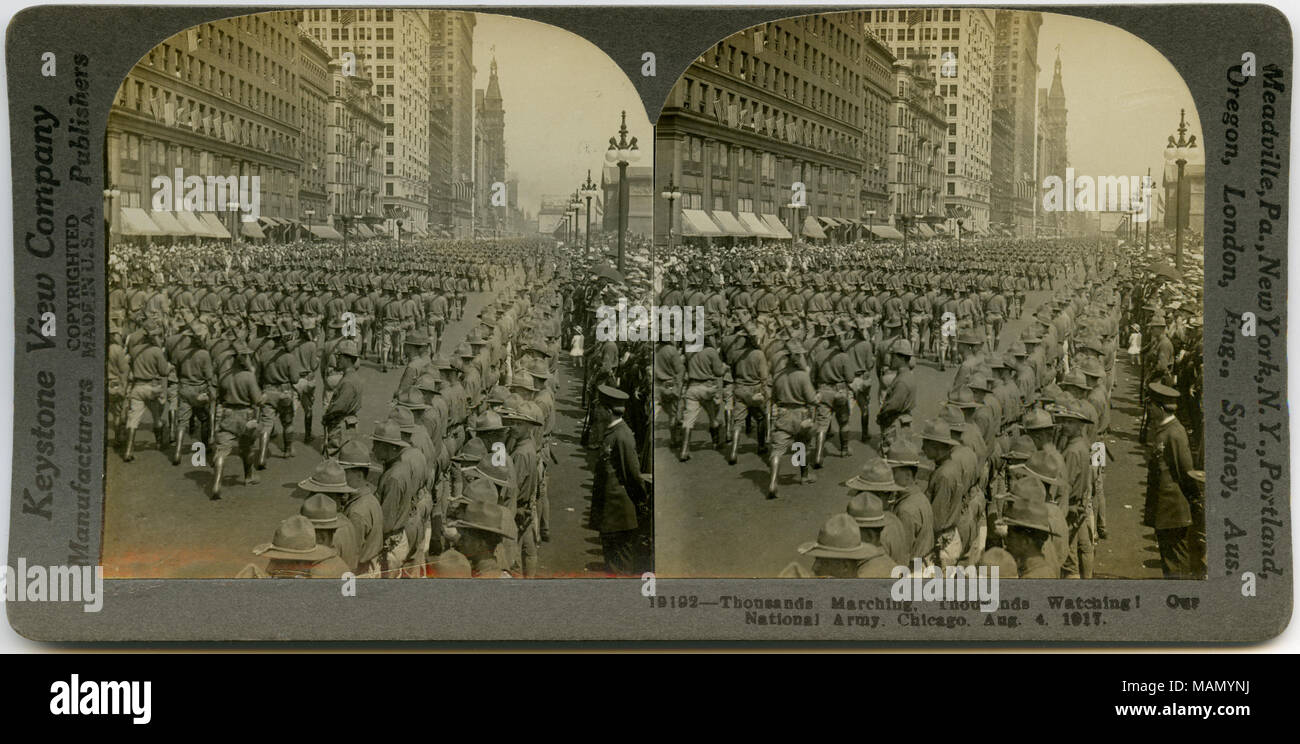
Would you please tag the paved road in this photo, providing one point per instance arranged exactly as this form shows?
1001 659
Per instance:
159 521
714 519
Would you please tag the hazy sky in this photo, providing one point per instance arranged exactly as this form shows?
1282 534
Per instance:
1122 95
562 99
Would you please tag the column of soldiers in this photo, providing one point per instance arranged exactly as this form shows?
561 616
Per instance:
229 346
1008 473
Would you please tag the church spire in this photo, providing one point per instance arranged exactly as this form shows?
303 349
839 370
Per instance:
1058 87
494 87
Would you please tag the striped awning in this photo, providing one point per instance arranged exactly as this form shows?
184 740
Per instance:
777 227
887 232
811 229
362 231
168 224
729 224
325 232
755 225
251 230
135 221
924 230
213 223
696 223
191 222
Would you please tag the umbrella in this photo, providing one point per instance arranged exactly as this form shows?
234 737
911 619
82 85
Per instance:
608 272
1163 269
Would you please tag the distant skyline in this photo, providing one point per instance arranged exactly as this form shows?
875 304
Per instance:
1122 96
562 100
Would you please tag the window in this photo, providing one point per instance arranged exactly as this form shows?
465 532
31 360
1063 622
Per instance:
952 188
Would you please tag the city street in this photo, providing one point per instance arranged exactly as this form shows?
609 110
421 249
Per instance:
714 519
160 523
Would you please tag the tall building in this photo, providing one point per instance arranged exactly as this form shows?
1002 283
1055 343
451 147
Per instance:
442 204
959 43
394 45
918 134
452 81
314 87
879 87
489 154
1002 201
1015 85
354 156
768 117
1054 153
219 99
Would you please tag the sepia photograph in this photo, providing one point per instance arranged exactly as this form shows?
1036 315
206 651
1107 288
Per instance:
355 262
949 263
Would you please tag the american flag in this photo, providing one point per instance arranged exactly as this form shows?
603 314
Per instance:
347 16
913 17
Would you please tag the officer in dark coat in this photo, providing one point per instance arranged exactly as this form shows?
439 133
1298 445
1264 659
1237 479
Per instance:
621 506
1170 485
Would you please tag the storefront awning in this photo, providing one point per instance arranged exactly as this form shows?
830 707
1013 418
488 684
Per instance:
729 224
167 224
213 223
251 230
755 226
886 232
325 232
775 225
811 229
362 231
696 223
924 230
193 225
135 221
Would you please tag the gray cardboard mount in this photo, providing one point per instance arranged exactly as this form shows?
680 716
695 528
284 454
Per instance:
1201 41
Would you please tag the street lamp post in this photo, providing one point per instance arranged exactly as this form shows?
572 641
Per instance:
622 152
233 207
902 221
1146 202
960 223
871 217
1176 151
399 237
588 192
110 194
309 214
673 196
794 221
575 206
